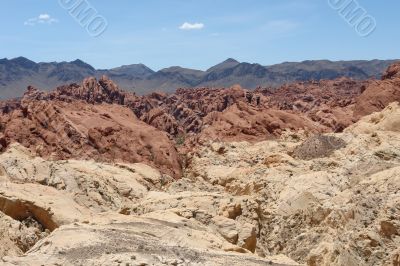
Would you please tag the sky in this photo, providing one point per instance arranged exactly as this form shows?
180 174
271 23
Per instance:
197 34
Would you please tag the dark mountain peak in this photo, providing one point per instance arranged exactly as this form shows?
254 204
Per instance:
190 76
179 69
21 59
231 60
82 64
182 71
228 63
23 62
132 66
133 70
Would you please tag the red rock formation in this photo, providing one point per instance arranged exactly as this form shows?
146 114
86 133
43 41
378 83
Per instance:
90 91
59 125
392 72
243 122
327 102
183 112
98 120
378 94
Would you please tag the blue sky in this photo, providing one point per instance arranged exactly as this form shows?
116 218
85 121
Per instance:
154 32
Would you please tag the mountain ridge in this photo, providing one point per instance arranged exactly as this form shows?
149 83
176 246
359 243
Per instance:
18 73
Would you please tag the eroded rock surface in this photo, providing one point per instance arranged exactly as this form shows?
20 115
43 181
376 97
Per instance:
337 209
115 213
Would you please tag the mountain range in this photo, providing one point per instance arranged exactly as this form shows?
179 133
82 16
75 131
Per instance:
17 73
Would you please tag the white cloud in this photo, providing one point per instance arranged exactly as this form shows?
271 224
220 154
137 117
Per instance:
41 19
44 17
191 26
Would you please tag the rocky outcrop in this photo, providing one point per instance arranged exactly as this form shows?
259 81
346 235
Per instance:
57 128
242 122
328 103
386 120
392 72
378 94
183 112
90 91
193 115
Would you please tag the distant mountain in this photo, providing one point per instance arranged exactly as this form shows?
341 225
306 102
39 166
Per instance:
129 71
229 63
16 74
324 69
